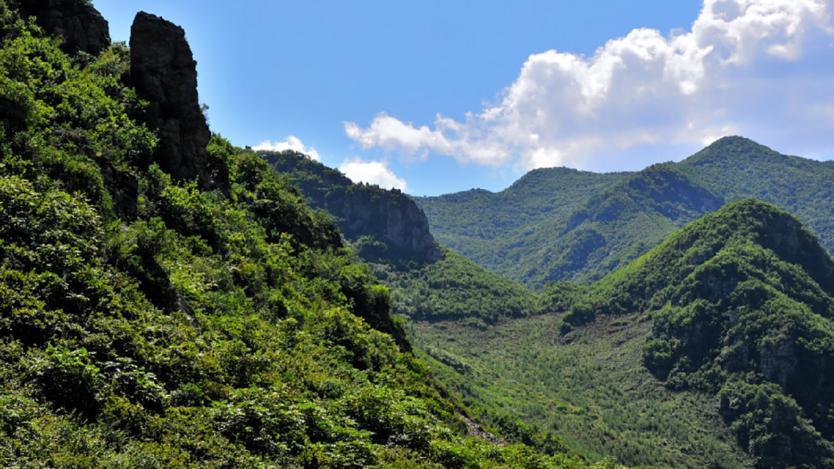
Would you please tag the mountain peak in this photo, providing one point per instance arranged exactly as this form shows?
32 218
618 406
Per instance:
732 148
740 222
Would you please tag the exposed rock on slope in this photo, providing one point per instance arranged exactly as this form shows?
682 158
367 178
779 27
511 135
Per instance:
163 70
396 225
75 21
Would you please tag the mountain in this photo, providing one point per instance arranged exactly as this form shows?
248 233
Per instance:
725 327
613 218
736 168
391 232
743 306
521 212
612 227
384 224
169 300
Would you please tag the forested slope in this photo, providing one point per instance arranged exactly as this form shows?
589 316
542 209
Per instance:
168 300
742 305
586 224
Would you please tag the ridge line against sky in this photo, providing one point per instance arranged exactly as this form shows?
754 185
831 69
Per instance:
621 98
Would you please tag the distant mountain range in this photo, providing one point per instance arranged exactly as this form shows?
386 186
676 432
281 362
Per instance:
560 224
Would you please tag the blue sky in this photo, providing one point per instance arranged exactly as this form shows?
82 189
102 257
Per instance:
383 89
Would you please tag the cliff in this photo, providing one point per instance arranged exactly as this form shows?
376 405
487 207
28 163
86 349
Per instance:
385 224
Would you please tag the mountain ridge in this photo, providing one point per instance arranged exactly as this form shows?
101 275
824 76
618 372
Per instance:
535 251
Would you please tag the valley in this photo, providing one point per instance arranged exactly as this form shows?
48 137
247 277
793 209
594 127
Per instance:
589 387
171 299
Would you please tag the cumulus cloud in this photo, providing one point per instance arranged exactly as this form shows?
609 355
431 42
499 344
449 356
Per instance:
762 68
291 143
372 172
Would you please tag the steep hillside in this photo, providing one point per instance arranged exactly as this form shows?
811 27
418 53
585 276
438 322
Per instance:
167 300
742 303
391 232
610 219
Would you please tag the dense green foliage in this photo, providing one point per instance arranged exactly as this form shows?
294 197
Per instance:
556 224
454 287
742 303
147 323
589 388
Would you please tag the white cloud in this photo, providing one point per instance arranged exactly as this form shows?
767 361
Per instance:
372 172
291 143
762 68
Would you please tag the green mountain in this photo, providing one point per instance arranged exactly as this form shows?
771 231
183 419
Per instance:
743 306
727 327
589 224
736 168
522 219
612 227
168 300
391 232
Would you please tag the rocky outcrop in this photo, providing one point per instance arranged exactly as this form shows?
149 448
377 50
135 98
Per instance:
384 224
388 216
163 70
81 26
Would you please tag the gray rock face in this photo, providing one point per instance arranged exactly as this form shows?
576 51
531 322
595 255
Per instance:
387 216
75 21
163 70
